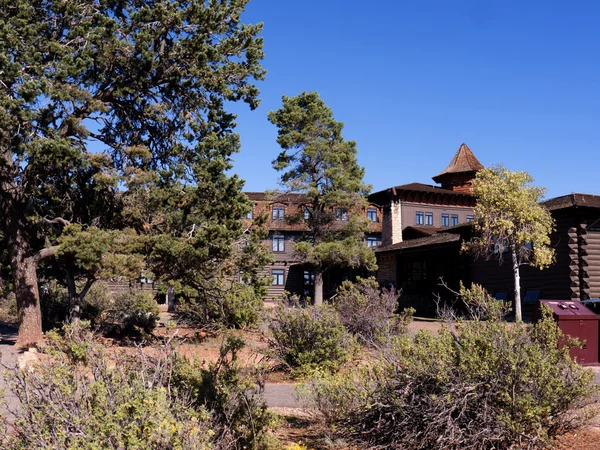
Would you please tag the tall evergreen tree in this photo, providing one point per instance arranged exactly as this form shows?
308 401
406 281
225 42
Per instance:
127 97
317 161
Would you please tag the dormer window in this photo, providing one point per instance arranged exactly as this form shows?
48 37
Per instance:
341 214
307 214
372 214
278 212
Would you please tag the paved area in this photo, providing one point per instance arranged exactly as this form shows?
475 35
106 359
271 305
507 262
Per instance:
8 358
281 396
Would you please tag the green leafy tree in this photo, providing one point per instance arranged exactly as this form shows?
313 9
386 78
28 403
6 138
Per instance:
317 161
508 217
121 101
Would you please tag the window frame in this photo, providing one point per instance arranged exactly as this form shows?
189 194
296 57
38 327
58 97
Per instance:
306 212
419 218
280 212
250 214
341 214
277 277
277 242
470 218
429 218
372 214
372 241
445 219
454 220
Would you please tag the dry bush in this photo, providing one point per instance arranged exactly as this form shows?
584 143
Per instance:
80 398
369 312
490 385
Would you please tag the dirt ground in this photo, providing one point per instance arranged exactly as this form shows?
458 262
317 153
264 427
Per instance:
585 439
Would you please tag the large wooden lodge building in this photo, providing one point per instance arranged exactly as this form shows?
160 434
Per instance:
416 231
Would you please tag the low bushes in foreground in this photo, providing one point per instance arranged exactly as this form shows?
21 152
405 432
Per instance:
78 397
304 339
486 385
239 306
369 312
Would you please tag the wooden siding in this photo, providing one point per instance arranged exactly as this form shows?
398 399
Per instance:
590 263
293 280
554 282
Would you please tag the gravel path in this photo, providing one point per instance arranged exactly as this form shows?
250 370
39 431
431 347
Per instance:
8 358
281 396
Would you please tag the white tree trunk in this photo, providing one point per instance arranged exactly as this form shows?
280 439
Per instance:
517 275
318 288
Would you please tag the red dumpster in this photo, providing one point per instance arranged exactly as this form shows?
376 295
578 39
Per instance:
578 321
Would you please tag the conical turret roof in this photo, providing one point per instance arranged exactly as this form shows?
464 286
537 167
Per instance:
463 161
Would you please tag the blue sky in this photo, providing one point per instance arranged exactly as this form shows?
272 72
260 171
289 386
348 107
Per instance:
518 82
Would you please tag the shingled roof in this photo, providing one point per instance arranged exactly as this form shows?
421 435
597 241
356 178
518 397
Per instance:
570 200
464 161
277 197
435 239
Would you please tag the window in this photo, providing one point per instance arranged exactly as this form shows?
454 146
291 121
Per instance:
445 220
278 277
341 214
469 218
428 218
454 219
308 282
372 241
278 212
501 295
532 295
278 243
372 214
250 214
419 218
307 214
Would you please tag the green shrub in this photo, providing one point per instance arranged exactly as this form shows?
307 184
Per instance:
131 313
368 312
481 305
487 385
237 306
94 403
234 397
98 300
307 338
54 303
242 307
84 397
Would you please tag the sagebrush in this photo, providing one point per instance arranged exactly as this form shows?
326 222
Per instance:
369 312
307 338
483 385
82 395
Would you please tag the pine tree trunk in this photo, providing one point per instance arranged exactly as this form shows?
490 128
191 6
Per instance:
24 268
318 288
517 276
28 300
171 299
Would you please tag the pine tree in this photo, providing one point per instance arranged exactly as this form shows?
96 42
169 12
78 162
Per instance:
120 100
317 161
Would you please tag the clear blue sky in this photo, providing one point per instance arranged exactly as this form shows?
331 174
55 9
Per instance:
517 81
